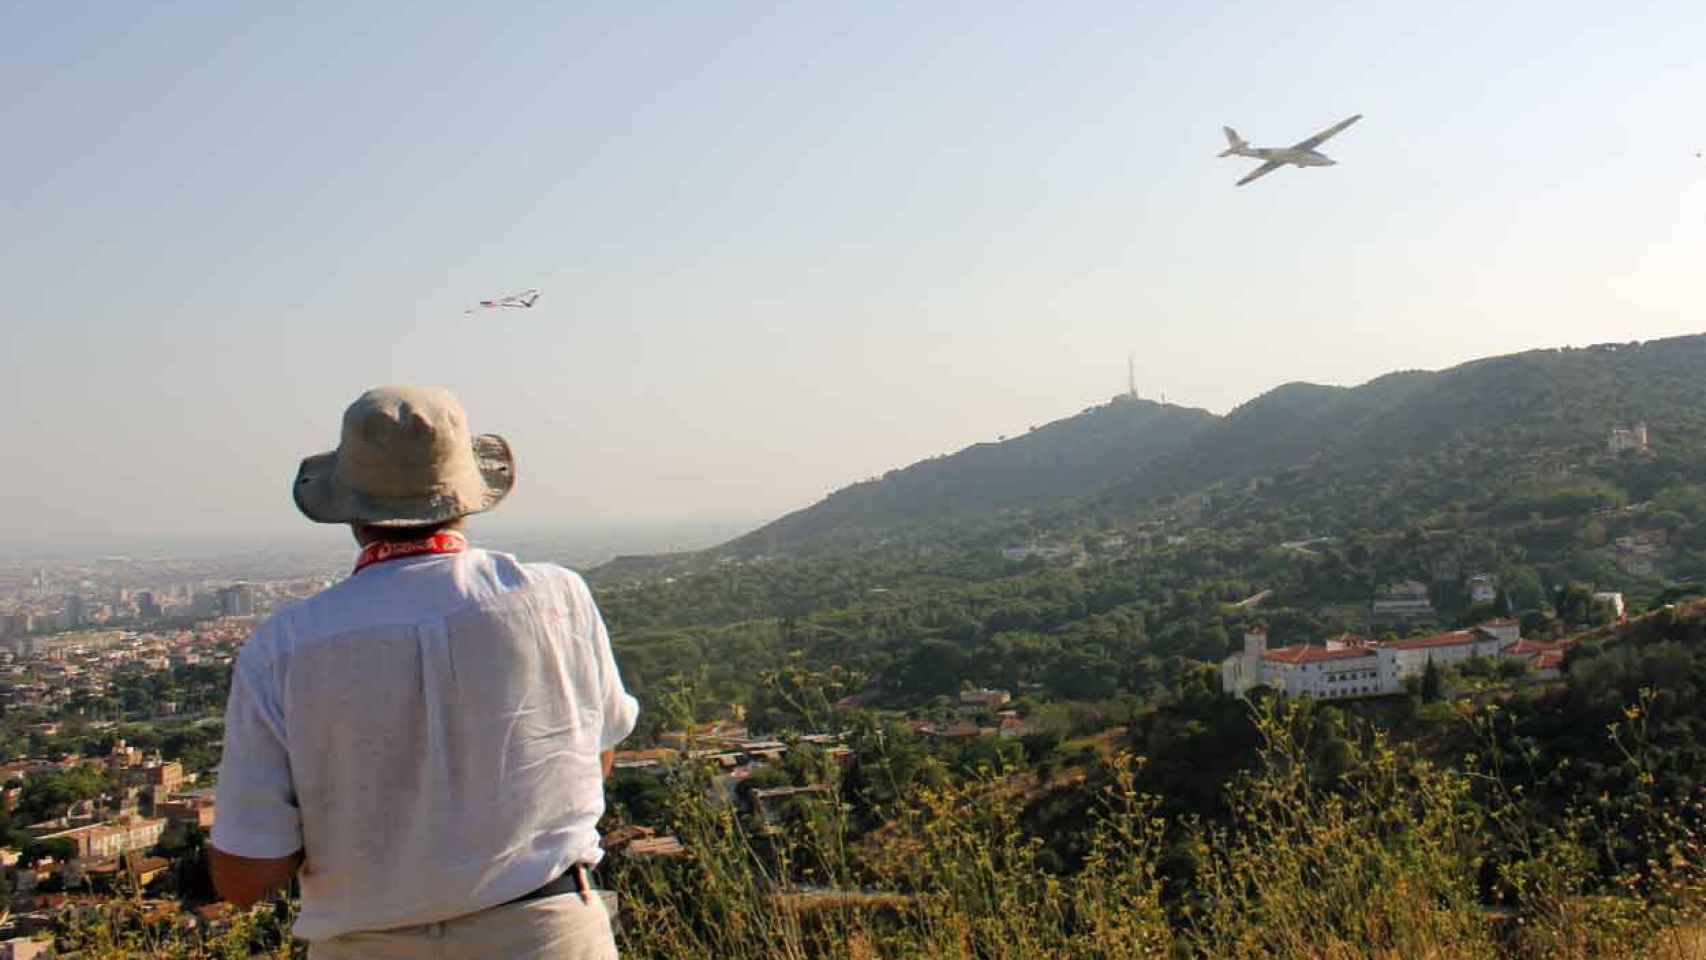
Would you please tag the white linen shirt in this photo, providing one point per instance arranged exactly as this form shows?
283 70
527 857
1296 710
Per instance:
428 731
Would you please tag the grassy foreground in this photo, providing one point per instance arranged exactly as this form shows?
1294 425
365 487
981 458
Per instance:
1396 857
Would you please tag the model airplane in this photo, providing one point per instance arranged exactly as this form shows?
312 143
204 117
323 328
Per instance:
1299 154
515 301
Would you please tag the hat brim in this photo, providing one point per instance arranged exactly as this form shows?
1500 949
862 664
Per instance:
322 498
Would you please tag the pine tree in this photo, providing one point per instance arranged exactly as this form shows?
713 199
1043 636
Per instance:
1433 684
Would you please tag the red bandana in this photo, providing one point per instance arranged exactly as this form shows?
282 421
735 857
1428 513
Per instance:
379 551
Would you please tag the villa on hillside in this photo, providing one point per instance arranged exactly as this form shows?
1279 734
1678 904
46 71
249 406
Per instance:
1626 439
1612 602
1046 551
975 701
106 839
1402 603
1351 666
1545 659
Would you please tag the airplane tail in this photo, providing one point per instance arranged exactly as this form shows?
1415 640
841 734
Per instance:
1235 145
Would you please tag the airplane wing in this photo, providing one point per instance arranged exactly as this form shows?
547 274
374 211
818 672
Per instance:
1261 171
1325 135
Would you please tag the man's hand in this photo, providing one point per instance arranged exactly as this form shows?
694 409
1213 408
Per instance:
244 881
606 761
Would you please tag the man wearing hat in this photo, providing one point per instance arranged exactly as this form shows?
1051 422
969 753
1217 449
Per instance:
424 744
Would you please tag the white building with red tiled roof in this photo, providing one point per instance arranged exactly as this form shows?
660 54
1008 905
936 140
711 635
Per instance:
1411 655
1345 666
1242 671
1351 666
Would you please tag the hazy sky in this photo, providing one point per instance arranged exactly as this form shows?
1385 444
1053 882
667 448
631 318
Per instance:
784 247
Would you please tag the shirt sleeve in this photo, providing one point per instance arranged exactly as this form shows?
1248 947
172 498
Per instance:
255 814
620 710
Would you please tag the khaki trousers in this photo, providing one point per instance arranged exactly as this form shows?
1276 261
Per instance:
564 927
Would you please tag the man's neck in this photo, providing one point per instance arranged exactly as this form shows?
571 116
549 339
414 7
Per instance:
367 533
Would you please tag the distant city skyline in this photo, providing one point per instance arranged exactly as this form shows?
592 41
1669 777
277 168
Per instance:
782 249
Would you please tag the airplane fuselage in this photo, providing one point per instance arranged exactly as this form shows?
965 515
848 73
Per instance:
1297 158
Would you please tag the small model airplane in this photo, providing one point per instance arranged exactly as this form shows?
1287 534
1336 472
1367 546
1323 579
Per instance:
516 301
1299 154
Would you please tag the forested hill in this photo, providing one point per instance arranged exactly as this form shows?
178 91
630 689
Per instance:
1498 438
1068 458
1430 438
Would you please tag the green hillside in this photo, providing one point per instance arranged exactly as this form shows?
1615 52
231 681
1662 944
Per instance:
1398 448
1068 458
1496 813
1392 451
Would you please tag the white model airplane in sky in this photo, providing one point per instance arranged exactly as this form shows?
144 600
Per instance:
515 301
1299 154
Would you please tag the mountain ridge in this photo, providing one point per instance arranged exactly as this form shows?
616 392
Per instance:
1559 403
1484 420
1070 457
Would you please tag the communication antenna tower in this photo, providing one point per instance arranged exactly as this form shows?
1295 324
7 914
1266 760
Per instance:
1130 376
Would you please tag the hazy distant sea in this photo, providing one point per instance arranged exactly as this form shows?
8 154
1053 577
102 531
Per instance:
584 547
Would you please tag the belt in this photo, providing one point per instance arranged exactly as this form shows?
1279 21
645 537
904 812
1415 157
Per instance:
576 879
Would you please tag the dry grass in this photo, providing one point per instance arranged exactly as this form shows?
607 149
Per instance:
1393 859
1388 861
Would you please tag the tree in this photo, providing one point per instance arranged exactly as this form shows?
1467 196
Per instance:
1512 668
48 795
1522 589
642 795
888 761
1478 667
60 850
1574 603
1433 683
934 667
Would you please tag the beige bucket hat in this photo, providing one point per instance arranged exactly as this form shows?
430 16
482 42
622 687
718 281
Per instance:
405 460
